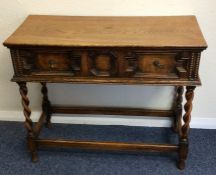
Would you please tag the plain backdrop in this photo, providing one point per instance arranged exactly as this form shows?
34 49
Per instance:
13 12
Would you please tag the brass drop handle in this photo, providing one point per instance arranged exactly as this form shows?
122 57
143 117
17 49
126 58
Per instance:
51 64
158 64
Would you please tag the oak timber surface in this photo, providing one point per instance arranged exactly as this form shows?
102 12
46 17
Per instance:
169 31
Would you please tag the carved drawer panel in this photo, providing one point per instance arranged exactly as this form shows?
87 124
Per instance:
103 63
107 63
53 62
46 63
157 65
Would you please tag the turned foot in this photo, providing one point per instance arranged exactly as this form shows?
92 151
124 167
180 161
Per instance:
34 157
181 164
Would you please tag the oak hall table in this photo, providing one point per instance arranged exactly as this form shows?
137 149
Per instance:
162 50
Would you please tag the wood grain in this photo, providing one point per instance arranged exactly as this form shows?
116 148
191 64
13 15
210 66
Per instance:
108 145
102 80
153 31
111 111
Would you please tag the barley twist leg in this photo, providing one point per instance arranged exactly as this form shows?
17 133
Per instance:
183 145
28 122
178 109
46 106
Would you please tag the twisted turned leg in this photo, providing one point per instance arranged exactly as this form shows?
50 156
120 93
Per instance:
183 145
28 122
178 108
46 105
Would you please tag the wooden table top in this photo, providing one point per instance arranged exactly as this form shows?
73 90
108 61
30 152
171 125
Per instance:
74 31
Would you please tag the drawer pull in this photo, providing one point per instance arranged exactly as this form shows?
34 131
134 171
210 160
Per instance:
158 64
51 64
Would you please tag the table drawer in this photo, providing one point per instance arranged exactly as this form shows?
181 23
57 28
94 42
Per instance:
105 63
53 63
157 65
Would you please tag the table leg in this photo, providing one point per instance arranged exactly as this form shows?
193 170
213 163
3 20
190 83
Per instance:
46 105
31 144
183 145
178 108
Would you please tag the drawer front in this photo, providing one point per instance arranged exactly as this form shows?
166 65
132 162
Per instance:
105 63
53 63
157 64
152 65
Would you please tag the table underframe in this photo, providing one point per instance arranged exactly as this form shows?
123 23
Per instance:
181 124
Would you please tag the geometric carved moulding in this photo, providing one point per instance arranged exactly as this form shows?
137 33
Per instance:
106 63
190 62
158 65
75 60
53 62
27 59
103 63
182 65
131 63
150 64
50 62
